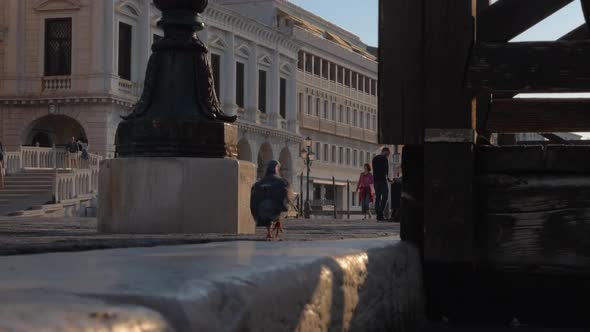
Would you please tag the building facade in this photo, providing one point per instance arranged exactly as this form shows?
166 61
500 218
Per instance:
336 97
72 68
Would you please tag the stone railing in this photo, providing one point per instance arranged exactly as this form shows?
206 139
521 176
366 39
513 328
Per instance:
130 88
57 83
12 162
48 158
77 182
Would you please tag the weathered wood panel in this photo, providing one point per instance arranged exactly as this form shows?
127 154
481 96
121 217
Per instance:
412 202
507 19
449 198
537 224
509 159
539 115
549 159
530 67
401 72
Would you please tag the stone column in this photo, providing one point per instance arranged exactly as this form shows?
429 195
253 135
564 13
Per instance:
252 84
109 45
274 84
13 44
228 89
292 100
144 35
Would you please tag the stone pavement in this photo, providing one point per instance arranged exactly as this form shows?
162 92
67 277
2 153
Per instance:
40 235
347 285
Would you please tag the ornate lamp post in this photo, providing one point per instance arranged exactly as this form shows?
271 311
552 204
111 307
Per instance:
308 158
175 144
178 114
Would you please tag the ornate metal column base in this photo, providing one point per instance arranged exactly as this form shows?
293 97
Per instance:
177 139
178 114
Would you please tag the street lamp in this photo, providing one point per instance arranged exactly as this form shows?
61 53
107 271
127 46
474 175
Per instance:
308 157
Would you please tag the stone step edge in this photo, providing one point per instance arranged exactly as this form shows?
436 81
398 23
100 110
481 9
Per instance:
41 210
374 290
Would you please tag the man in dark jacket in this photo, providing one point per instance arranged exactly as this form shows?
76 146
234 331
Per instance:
380 176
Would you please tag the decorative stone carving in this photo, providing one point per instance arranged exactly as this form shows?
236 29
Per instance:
55 5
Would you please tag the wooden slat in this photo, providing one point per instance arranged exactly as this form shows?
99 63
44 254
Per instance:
506 19
531 67
547 159
537 223
539 115
579 33
401 72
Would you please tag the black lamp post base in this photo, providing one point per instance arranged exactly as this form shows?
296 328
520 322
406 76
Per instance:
176 138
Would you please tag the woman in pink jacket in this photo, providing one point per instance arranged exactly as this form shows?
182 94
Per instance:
365 190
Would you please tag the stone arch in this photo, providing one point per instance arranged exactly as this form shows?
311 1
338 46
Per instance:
265 155
53 129
286 161
244 150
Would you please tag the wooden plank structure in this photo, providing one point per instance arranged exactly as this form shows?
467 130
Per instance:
505 230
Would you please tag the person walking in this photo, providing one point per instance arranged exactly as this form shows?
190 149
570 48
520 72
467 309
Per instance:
1 166
270 200
73 148
365 190
381 179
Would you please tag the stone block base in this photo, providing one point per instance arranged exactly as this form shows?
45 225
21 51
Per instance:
175 195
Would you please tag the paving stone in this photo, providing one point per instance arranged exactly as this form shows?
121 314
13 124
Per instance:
40 235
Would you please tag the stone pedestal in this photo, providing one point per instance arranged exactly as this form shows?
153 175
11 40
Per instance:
175 195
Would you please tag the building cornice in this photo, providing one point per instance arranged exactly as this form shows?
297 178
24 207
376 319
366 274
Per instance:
233 21
269 131
63 100
300 12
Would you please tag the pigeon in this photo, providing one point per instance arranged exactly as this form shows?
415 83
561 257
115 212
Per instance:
269 200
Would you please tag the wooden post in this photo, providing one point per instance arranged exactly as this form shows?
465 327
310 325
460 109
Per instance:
449 214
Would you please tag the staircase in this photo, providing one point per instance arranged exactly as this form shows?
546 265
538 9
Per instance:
26 189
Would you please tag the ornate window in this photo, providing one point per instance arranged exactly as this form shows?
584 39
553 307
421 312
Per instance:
332 72
125 46
216 69
325 69
308 63
301 60
58 47
240 84
262 91
318 151
283 98
316 65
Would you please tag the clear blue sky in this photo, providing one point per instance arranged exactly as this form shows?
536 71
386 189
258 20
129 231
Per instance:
360 17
